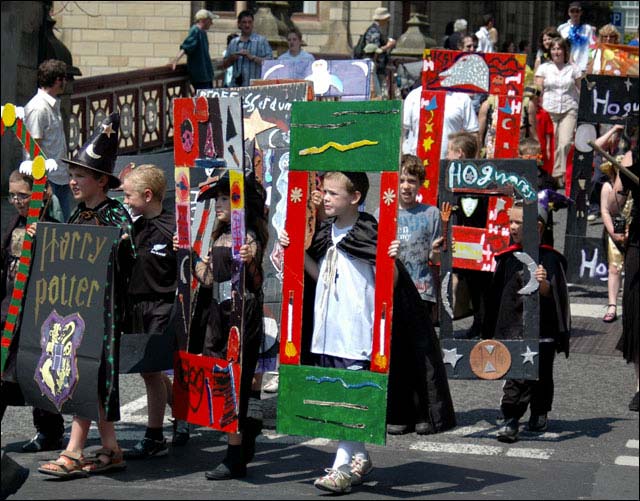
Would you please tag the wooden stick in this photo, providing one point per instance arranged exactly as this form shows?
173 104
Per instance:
614 162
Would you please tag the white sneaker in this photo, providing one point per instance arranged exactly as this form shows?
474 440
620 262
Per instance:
338 480
272 385
360 467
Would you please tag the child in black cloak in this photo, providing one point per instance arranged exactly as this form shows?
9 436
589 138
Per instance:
348 235
505 307
215 271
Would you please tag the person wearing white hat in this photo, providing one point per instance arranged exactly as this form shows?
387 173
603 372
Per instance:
375 35
196 47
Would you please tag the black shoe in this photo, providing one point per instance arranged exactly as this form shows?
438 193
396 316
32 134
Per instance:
397 429
538 422
180 433
633 405
509 432
41 443
424 429
147 448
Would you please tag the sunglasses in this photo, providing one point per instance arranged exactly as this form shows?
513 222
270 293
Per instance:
18 197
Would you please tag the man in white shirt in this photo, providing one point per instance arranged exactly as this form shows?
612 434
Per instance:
484 39
44 122
580 36
458 116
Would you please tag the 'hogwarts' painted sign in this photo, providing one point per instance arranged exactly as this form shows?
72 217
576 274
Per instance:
606 99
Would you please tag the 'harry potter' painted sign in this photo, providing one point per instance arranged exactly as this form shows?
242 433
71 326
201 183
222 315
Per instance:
68 312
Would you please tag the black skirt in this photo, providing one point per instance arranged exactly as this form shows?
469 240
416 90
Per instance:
628 343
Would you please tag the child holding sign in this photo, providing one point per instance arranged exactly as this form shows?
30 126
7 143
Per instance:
91 177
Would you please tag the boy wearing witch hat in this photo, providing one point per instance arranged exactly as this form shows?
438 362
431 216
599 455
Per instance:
91 177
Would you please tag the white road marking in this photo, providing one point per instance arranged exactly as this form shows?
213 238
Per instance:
590 310
632 444
483 450
627 461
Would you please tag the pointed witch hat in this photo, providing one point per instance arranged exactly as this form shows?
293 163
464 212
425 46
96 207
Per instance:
99 153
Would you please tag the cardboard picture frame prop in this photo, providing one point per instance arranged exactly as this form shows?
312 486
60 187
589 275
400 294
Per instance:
211 137
349 80
603 100
68 317
341 136
495 73
266 114
11 121
497 180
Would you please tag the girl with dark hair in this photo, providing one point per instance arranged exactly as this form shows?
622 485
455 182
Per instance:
215 271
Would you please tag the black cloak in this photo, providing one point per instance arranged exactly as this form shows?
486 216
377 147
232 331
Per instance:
418 385
505 306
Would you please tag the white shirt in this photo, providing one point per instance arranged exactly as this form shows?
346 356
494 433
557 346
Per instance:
484 40
44 122
560 92
344 304
458 116
579 53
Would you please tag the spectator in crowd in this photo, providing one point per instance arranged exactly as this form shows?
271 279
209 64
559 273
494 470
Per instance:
468 43
459 30
44 121
484 40
544 43
196 47
299 57
376 34
247 52
295 52
448 31
580 36
458 116
559 80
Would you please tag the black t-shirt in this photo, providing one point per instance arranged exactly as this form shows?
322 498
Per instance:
155 268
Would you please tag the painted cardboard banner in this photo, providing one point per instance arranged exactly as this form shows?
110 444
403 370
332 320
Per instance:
614 60
206 391
475 197
267 117
355 136
310 403
350 80
333 403
12 121
489 73
501 75
219 145
66 317
607 99
587 261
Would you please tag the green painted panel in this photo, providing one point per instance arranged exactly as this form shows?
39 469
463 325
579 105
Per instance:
332 403
369 132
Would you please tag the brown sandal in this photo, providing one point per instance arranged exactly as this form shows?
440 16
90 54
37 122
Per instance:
114 461
68 465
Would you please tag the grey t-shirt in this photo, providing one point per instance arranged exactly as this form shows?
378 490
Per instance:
417 229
